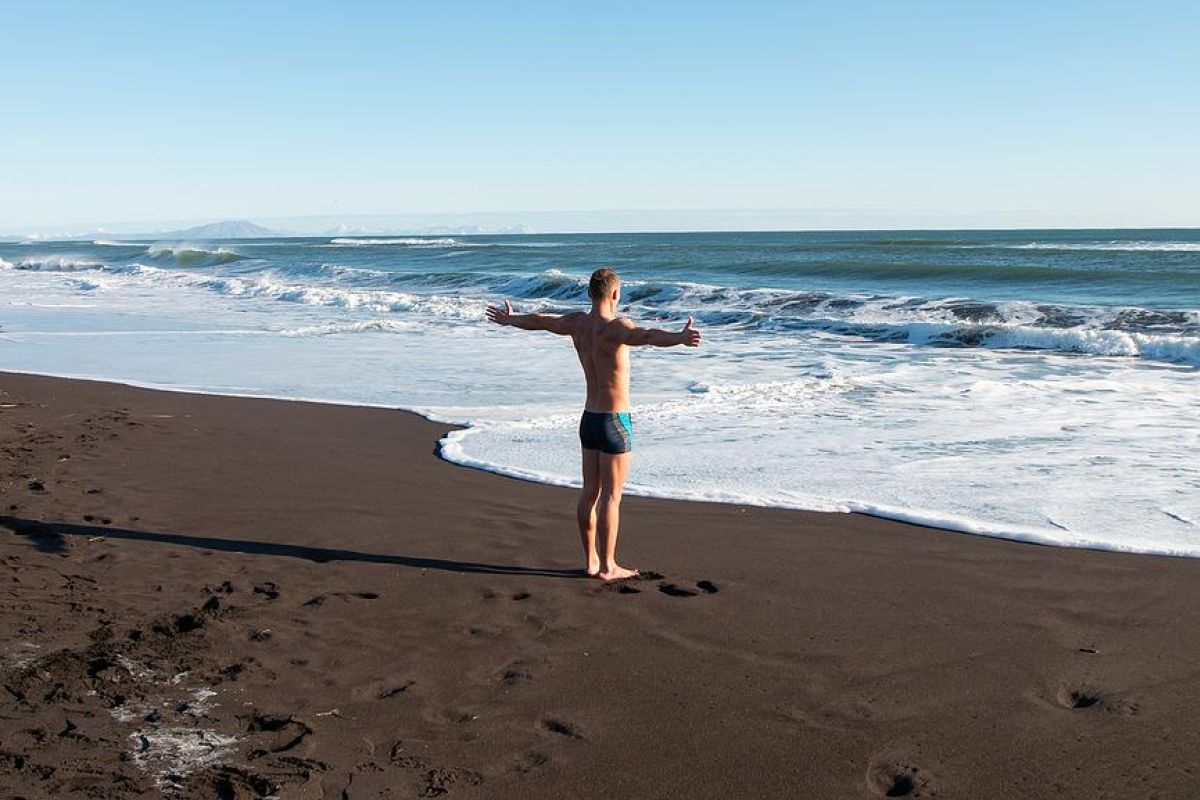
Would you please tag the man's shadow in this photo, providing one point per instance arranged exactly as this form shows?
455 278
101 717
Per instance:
51 537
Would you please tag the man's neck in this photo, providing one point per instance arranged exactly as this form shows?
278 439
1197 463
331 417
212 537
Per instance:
605 309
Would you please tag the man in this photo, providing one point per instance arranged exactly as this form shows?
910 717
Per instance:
602 341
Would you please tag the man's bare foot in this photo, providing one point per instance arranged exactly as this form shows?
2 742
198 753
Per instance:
593 568
617 573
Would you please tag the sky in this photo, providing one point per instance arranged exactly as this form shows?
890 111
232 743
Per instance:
852 114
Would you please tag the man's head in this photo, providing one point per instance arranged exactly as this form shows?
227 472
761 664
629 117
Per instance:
604 285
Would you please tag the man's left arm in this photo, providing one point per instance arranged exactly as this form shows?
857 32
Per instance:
655 337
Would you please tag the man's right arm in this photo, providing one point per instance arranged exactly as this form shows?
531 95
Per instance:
562 324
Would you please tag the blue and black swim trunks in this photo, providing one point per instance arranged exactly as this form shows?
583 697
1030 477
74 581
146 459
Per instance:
606 431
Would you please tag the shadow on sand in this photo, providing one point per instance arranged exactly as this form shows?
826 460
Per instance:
51 537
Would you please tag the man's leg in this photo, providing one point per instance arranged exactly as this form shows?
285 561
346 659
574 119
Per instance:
613 469
586 511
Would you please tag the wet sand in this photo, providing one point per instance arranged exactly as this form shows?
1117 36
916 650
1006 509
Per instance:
224 597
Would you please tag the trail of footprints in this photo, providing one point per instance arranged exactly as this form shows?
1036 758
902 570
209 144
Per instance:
670 589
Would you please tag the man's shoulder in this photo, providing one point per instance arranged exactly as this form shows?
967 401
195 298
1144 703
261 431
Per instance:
622 323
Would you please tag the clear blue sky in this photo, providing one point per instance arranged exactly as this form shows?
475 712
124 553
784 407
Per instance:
1063 112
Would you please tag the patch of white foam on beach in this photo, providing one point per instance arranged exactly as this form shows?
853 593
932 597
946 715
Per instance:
167 745
21 654
170 755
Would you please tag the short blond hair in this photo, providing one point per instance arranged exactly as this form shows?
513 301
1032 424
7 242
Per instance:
602 283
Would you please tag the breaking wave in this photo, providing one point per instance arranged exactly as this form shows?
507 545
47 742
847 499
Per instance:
187 256
57 264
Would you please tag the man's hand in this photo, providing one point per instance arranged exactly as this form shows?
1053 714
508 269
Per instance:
500 316
691 336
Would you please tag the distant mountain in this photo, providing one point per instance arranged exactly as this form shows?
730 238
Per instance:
228 229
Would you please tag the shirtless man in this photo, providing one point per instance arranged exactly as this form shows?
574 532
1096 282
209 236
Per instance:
602 341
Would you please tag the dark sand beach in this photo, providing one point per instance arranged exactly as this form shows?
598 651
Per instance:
223 597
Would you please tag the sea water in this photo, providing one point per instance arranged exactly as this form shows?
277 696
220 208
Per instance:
1035 385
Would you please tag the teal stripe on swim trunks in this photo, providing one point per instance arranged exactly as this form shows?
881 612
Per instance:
626 421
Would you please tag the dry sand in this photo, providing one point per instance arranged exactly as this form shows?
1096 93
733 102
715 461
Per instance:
222 597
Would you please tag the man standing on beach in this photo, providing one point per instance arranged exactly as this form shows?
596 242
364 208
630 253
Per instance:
602 341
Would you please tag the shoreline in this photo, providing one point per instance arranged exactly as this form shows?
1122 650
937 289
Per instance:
238 596
448 440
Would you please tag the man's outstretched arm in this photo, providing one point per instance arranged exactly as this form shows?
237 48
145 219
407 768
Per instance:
655 337
555 323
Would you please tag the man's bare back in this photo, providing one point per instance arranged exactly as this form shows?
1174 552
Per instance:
604 358
602 341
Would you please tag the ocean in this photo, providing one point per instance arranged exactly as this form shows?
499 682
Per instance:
1034 385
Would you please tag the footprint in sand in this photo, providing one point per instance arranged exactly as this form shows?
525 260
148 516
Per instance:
531 761
1083 697
895 779
321 598
277 733
675 590
619 587
229 781
440 780
561 728
401 758
628 585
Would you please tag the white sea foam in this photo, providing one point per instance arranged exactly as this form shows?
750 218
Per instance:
1111 246
172 754
365 326
410 241
270 287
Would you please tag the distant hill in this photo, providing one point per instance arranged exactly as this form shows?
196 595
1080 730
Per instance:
228 229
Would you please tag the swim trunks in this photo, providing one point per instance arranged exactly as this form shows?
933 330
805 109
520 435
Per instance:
606 431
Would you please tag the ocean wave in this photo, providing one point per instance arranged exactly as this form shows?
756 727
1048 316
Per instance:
1085 341
189 256
411 241
1153 334
1159 335
269 288
57 264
